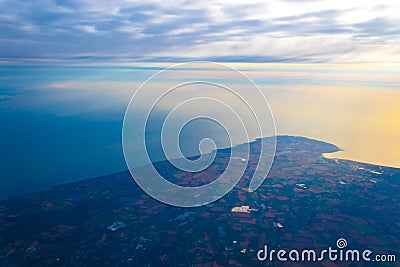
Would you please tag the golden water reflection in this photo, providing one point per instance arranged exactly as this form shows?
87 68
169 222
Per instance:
364 122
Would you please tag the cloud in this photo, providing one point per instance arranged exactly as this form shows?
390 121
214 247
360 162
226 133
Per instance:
294 31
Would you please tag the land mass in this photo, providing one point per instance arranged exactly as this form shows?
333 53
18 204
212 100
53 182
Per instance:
307 201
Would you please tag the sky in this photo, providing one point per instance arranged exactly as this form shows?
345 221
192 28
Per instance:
310 31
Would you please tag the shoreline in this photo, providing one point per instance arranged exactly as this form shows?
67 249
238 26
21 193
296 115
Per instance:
341 155
326 155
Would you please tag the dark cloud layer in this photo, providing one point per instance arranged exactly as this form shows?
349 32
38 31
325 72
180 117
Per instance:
180 30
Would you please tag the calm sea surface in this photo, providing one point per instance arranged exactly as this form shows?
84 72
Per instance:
63 123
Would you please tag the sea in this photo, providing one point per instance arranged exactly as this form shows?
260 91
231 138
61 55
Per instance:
62 123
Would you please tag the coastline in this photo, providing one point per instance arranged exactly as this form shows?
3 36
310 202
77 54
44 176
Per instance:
334 150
